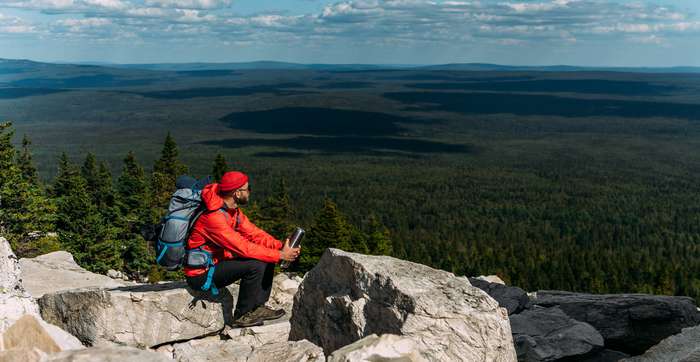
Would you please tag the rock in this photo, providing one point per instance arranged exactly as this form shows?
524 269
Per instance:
548 334
261 335
114 274
289 351
210 349
605 355
108 354
23 355
388 347
29 332
490 279
283 290
682 347
629 323
214 349
14 300
348 296
57 271
140 316
513 299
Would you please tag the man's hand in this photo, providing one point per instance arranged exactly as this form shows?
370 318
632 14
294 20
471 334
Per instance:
289 254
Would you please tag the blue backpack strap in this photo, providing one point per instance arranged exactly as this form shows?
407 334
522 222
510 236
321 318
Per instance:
209 283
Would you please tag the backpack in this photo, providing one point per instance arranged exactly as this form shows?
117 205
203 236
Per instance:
184 209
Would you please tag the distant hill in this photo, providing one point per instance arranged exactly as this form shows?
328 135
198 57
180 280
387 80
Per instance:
555 68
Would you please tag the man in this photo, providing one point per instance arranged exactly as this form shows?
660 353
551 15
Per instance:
239 250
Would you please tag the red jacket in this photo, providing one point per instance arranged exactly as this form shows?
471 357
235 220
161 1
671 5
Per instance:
214 232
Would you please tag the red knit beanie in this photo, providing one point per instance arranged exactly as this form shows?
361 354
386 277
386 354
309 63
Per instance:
232 180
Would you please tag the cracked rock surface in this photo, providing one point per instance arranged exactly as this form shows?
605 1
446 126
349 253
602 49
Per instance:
349 296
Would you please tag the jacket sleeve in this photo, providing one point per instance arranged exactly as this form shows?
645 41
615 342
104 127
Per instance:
257 235
220 232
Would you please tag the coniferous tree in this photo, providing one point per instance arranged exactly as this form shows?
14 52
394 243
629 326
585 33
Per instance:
276 212
25 212
220 167
25 163
100 187
378 239
328 230
165 171
81 228
135 205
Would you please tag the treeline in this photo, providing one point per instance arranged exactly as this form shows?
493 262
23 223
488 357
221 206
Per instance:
99 219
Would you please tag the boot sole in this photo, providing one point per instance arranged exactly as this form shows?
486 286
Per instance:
246 325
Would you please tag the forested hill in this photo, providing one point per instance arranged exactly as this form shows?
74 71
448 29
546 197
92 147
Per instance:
580 181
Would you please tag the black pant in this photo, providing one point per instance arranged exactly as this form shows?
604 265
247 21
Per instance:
256 281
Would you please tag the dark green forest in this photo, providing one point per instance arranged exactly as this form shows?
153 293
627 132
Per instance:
581 181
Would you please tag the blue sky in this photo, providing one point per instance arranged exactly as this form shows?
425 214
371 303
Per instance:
535 32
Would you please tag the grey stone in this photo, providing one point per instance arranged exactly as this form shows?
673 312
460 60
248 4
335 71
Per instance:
14 300
548 334
140 316
57 271
213 349
108 354
682 347
348 296
513 299
629 323
30 332
261 335
388 347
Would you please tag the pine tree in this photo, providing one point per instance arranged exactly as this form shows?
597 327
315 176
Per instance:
328 230
24 209
25 163
135 206
82 229
378 238
276 212
220 167
165 171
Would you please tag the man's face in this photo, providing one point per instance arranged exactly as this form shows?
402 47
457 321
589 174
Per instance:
243 194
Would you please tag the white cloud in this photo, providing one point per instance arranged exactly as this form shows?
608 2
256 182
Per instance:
190 4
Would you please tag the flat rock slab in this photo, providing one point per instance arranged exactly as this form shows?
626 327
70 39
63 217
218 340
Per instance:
349 296
548 334
213 349
388 347
108 354
629 323
140 316
58 271
682 347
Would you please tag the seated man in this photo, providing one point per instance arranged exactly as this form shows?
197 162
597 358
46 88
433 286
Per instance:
239 250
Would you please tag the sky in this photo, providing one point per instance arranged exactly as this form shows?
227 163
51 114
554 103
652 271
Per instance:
535 32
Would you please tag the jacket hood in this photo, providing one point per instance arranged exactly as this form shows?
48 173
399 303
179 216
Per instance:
211 198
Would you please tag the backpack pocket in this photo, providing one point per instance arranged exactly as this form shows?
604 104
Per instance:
198 258
170 255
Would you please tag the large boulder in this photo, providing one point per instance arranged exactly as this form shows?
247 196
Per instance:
682 347
214 349
513 299
629 323
14 300
29 332
57 271
107 354
349 296
388 347
547 334
140 316
150 315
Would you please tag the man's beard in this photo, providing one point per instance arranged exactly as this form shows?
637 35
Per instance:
242 201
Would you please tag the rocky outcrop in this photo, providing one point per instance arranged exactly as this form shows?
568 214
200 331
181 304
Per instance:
57 271
214 349
349 296
547 334
149 315
29 332
388 347
14 300
139 316
513 299
629 323
261 335
682 347
284 287
108 354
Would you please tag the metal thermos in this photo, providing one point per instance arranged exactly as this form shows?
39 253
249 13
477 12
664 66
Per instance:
294 241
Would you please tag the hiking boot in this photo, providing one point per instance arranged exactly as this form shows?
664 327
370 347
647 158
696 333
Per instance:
250 319
267 313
